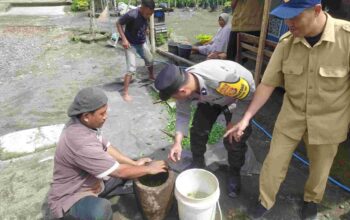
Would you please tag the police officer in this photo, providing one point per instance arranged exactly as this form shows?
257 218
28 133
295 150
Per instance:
215 85
312 63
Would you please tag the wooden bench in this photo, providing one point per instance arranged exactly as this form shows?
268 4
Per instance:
247 48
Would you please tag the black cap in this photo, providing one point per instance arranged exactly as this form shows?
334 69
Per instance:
169 80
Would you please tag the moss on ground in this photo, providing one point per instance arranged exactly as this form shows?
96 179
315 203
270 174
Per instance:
25 182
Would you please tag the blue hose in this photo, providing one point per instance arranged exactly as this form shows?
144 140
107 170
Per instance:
305 162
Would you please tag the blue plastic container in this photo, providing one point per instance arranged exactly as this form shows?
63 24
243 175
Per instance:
159 15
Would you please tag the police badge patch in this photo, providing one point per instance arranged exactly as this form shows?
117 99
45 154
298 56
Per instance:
238 90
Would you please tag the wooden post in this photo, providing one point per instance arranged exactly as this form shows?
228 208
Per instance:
129 3
92 20
153 41
260 55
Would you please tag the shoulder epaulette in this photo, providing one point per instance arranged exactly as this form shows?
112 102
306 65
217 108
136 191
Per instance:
284 36
346 27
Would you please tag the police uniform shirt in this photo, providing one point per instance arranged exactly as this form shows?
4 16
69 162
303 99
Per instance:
216 78
316 81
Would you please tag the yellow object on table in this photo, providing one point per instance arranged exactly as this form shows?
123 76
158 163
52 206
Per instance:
204 38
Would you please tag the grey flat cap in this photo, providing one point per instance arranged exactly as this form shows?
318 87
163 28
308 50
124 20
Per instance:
87 100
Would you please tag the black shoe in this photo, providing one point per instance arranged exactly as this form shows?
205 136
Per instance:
259 211
309 211
234 186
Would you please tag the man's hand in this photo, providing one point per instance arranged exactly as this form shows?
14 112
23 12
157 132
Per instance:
175 152
222 56
125 44
157 166
212 55
236 131
143 161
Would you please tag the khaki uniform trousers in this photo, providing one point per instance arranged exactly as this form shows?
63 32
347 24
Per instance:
276 165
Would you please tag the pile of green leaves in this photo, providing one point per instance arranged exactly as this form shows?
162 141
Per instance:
227 4
204 38
80 5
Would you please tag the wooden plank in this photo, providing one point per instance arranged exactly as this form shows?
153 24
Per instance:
268 53
249 47
270 44
152 34
174 57
262 39
248 55
252 39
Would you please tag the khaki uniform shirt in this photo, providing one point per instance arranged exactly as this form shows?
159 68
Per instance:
316 81
217 80
247 16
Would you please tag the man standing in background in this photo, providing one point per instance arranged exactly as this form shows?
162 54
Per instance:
134 41
247 18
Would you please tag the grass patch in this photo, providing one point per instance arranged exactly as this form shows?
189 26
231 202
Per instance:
80 5
24 185
215 135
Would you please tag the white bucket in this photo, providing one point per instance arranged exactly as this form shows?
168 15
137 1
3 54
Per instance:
197 192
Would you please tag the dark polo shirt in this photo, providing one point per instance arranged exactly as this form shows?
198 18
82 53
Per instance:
135 26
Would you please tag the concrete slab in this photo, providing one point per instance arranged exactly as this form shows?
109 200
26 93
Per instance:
36 2
29 140
4 7
37 11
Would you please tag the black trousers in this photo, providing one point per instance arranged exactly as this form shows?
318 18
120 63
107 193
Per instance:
203 121
232 43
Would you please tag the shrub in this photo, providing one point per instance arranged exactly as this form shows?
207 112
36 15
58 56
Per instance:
80 5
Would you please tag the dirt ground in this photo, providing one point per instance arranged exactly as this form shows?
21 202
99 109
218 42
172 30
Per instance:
41 69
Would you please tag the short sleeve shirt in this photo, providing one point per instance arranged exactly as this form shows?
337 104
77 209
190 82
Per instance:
135 26
214 75
316 83
80 162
